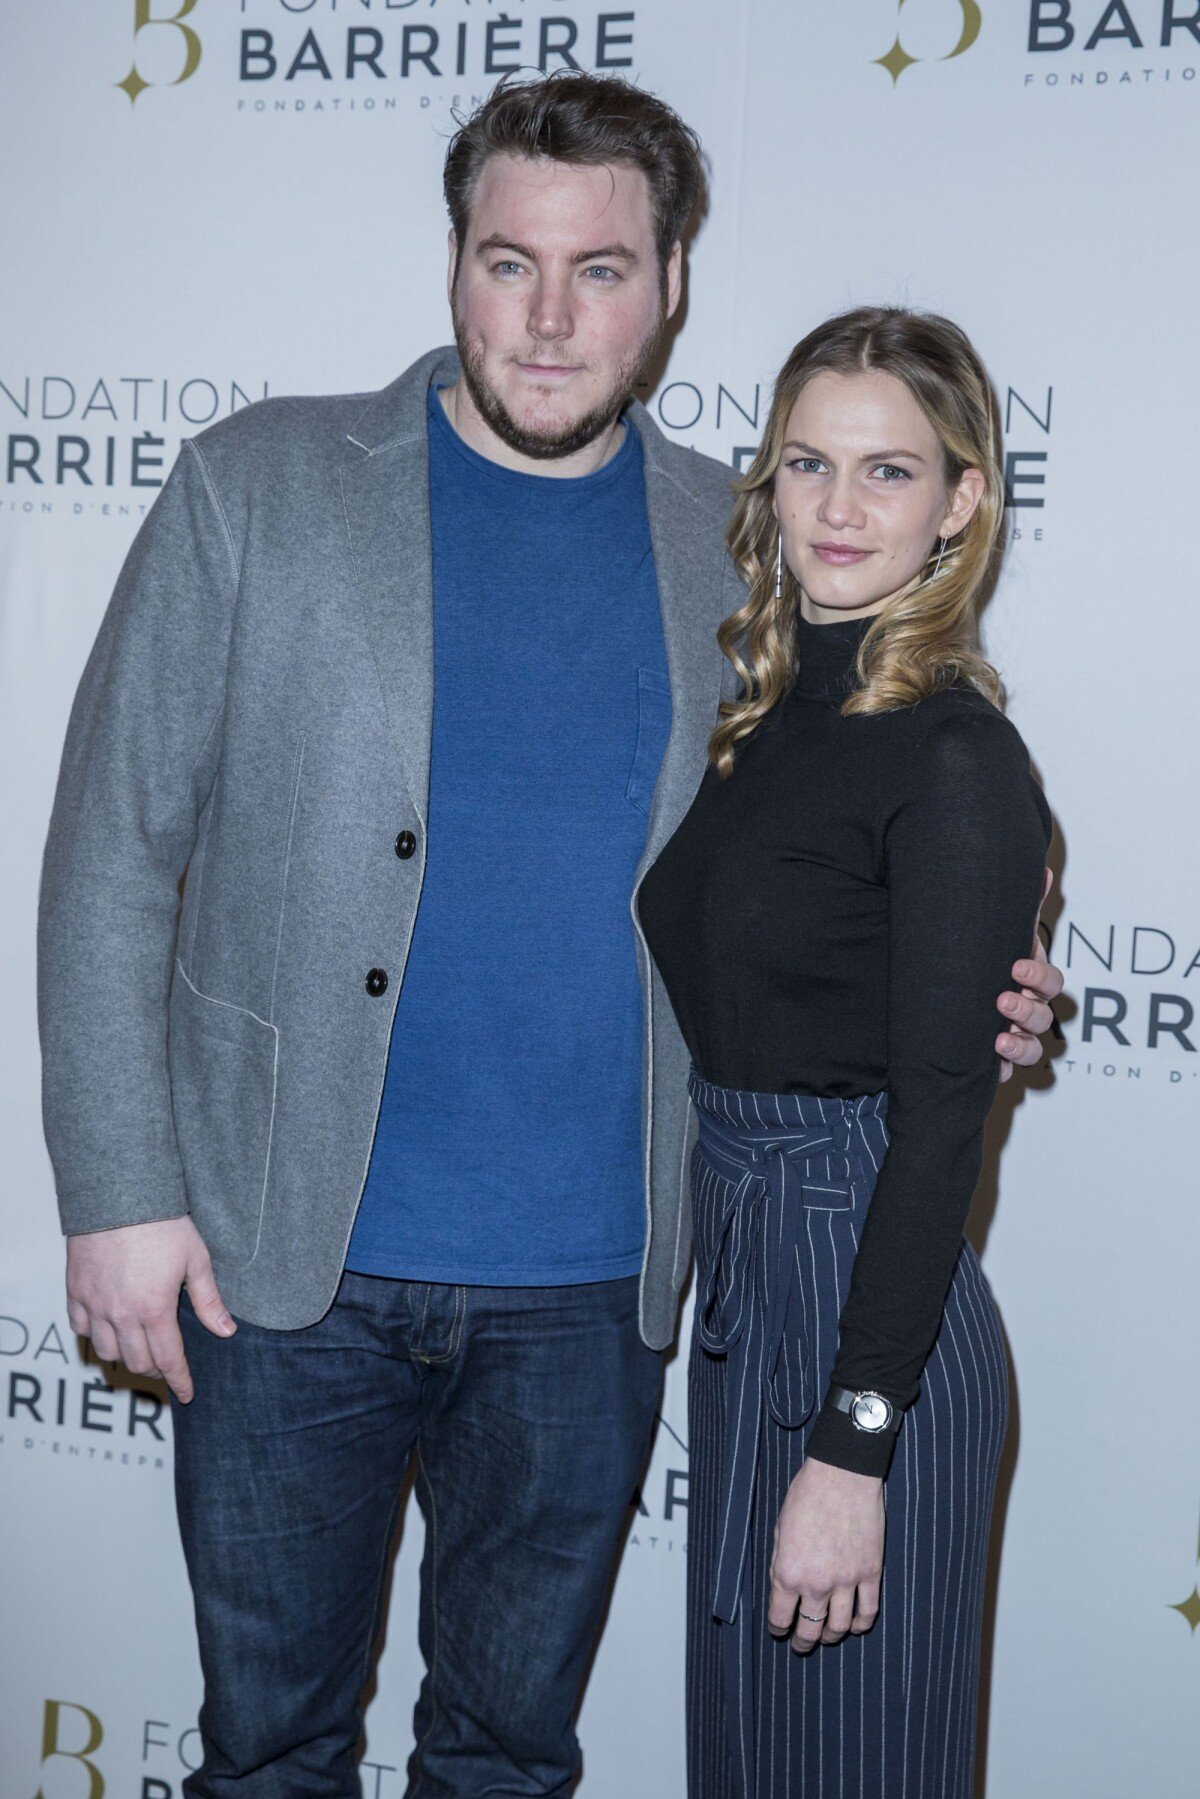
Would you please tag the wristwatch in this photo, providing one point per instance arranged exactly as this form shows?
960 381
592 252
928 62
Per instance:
868 1411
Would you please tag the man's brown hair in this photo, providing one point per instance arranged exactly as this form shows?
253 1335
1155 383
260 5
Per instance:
576 117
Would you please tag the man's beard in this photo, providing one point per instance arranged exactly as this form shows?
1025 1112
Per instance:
543 445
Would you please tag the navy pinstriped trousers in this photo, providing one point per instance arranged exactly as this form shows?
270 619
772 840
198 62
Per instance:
780 1187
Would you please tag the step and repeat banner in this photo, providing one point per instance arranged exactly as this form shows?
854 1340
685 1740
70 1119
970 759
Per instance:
209 201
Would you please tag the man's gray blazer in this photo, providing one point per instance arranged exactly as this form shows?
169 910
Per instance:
256 714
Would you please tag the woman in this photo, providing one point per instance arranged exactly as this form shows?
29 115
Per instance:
832 919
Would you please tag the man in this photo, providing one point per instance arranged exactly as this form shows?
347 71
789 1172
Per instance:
452 645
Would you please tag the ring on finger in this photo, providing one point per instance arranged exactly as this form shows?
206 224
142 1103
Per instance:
813 1620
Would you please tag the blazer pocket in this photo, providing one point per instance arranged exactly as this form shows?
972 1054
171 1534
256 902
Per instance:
654 728
223 1062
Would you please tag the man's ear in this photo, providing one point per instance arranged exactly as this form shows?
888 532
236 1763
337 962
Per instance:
452 244
674 278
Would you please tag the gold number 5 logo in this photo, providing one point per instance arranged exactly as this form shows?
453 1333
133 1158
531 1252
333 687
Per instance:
134 83
898 58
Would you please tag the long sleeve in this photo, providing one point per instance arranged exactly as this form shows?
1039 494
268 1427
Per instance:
964 852
140 758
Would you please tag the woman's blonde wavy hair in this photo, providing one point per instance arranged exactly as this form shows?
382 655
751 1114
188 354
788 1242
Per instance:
927 637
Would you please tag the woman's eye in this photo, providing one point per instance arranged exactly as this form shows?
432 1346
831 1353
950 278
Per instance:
807 464
889 469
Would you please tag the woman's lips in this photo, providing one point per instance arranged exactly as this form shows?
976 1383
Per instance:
840 555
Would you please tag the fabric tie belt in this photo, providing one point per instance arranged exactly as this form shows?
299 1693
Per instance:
782 1158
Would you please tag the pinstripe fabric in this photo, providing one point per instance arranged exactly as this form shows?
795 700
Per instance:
780 1186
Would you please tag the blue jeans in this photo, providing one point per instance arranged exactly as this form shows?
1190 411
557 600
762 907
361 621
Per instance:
529 1410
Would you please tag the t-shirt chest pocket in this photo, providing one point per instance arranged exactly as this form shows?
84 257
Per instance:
653 730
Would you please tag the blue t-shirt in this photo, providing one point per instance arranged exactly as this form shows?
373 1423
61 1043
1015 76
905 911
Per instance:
508 1147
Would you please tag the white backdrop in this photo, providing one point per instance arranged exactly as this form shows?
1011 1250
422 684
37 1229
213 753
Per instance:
257 221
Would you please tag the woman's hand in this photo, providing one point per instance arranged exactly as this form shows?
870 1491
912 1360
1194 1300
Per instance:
828 1550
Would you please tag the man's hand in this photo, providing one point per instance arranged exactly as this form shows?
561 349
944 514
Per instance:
123 1293
828 1554
1028 1012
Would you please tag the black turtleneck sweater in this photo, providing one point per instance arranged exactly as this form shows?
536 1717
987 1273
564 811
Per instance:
838 918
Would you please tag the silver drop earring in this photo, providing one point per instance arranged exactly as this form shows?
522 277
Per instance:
941 552
779 566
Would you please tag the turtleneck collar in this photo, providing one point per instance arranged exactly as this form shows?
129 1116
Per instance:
825 657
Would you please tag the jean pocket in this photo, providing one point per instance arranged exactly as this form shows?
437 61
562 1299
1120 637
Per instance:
654 728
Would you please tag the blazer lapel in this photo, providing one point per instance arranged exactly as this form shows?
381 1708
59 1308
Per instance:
696 589
385 487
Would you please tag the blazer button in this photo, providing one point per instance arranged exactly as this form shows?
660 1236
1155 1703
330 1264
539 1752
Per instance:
376 982
406 844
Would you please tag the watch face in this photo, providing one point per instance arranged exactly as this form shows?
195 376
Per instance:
871 1411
